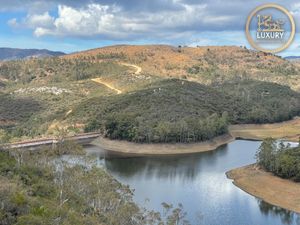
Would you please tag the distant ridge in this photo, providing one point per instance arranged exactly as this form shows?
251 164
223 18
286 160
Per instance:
292 57
15 53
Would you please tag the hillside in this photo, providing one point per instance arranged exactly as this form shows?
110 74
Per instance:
200 64
119 63
15 53
146 93
182 111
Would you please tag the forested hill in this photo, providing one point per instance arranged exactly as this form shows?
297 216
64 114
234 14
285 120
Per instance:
181 111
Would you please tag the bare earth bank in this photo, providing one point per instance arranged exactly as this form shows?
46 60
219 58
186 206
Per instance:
289 130
136 149
272 189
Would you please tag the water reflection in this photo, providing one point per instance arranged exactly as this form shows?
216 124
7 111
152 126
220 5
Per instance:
287 217
198 181
184 167
169 168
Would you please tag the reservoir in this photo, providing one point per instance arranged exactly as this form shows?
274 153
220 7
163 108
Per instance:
199 183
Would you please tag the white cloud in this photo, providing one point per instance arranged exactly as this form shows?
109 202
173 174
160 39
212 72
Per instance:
113 22
33 21
39 20
165 21
38 32
93 20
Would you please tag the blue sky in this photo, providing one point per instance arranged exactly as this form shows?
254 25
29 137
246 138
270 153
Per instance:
73 25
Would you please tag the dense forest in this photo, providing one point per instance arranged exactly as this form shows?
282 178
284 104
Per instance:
181 111
280 159
260 102
39 188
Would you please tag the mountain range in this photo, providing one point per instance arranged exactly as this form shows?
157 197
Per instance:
296 58
15 53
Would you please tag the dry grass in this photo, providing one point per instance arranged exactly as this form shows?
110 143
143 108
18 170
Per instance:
289 130
138 69
225 62
272 189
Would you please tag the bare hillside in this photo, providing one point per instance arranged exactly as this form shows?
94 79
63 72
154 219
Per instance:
200 64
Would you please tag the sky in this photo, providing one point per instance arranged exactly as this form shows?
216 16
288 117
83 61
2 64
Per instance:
75 25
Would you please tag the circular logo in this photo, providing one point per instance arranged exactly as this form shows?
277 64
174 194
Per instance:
270 28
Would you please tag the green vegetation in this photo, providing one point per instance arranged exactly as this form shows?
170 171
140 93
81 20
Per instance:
15 112
28 107
40 188
260 102
28 111
215 64
17 109
165 111
58 69
169 111
150 108
182 111
281 160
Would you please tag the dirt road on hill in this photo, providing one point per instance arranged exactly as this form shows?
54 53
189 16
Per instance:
138 69
100 81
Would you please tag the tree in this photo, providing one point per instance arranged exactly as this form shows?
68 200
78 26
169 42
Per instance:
280 159
93 125
163 131
121 126
179 48
266 154
4 138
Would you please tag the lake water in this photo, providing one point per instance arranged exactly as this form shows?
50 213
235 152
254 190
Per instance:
198 181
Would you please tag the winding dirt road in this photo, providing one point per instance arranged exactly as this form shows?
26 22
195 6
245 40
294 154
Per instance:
138 69
100 81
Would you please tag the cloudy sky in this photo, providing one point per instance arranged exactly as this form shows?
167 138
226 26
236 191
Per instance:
74 25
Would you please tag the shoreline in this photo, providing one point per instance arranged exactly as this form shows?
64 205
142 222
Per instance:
137 149
288 130
266 186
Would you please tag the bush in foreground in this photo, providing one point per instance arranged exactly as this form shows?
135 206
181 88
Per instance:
41 188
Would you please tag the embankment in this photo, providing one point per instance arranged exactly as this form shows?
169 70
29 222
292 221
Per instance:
289 130
132 149
272 189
